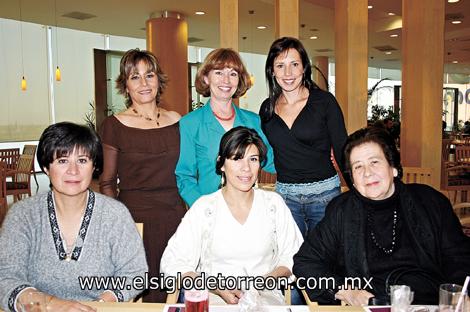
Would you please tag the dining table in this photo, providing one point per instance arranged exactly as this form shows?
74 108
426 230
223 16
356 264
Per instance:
162 307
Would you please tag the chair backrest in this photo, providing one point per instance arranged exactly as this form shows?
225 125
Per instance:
456 178
266 177
417 175
10 157
30 150
23 168
461 208
465 221
462 153
3 195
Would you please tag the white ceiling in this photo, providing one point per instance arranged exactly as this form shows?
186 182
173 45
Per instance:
127 18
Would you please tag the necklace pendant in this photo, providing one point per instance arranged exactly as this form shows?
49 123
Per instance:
68 258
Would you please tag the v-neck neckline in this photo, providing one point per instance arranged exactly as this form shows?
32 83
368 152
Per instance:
296 117
229 212
55 229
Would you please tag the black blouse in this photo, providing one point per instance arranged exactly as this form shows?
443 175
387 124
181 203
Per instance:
400 266
302 153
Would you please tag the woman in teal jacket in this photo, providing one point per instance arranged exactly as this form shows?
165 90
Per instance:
222 77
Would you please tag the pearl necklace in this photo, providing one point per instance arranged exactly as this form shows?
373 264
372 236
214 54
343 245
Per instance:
148 118
370 220
225 118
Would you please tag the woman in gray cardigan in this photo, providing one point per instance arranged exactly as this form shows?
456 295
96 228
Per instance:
52 242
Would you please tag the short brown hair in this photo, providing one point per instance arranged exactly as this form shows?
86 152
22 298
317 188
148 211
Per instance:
129 62
220 59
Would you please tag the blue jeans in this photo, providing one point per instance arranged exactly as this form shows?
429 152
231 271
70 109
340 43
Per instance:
307 208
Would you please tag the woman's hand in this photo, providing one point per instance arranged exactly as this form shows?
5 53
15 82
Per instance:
229 296
107 296
61 305
354 297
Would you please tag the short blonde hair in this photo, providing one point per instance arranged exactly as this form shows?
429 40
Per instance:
129 62
220 59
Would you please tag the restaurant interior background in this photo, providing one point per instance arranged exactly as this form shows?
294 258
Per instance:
37 36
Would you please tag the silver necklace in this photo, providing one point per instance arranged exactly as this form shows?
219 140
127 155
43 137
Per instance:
370 220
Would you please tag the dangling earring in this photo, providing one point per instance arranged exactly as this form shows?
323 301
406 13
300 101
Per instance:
222 179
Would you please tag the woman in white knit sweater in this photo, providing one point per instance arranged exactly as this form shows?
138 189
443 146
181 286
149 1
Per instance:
238 230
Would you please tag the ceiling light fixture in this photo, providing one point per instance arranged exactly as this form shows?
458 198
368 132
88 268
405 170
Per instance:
455 62
391 13
394 35
453 1
314 37
200 12
456 22
369 7
388 52
261 27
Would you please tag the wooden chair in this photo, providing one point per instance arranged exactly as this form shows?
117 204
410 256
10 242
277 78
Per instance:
417 175
462 154
10 157
21 178
465 222
3 191
31 150
461 209
310 303
456 179
266 177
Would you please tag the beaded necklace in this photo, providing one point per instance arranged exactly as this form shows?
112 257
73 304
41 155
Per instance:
370 220
148 118
225 118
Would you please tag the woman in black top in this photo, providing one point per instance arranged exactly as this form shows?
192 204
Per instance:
382 232
303 124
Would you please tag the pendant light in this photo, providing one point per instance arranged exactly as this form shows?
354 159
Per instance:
58 75
23 79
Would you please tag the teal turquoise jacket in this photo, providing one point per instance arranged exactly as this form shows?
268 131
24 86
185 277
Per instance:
200 135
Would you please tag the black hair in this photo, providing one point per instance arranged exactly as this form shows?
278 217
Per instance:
60 139
376 135
279 46
234 144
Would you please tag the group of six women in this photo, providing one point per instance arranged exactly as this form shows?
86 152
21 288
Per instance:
151 156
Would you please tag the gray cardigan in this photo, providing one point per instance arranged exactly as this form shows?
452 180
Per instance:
31 252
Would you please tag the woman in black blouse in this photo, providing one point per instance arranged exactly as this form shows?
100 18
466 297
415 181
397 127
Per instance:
303 124
382 233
